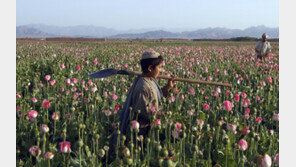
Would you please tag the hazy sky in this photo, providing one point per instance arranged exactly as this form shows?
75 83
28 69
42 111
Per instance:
137 14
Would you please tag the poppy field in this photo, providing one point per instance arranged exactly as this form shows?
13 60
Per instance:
65 118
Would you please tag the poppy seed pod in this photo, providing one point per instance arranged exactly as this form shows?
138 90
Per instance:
148 140
131 145
126 152
164 152
171 152
167 163
194 148
128 160
123 137
101 153
158 147
97 136
80 143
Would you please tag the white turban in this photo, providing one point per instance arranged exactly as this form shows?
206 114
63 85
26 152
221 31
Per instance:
264 35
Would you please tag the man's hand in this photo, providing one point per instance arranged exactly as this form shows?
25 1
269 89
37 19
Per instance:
168 86
171 83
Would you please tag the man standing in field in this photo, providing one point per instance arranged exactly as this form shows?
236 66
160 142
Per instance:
145 94
144 98
263 48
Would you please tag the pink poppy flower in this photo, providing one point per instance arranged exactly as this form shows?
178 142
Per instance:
276 117
200 123
227 105
68 115
153 109
216 70
216 95
86 100
18 96
117 107
105 94
52 82
47 77
236 98
224 72
191 89
114 111
73 89
158 122
227 92
243 145
269 80
40 85
96 62
182 97
90 82
179 126
190 112
223 122
172 99
108 113
48 155
34 100
259 119
35 151
245 131
246 103
244 95
55 116
247 111
68 81
18 108
276 158
206 70
32 114
206 106
62 66
65 147
20 115
135 125
232 127
78 67
44 128
74 80
265 161
176 91
210 78
113 97
46 104
175 134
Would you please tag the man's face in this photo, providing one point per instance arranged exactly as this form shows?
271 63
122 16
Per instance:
264 38
156 70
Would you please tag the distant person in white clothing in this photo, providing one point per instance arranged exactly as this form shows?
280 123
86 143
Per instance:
263 48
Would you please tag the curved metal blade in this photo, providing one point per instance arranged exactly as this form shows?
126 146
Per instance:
104 73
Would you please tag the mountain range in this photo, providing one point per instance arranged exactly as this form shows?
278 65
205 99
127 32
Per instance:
43 31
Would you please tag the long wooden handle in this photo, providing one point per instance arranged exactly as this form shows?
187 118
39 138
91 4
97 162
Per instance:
125 72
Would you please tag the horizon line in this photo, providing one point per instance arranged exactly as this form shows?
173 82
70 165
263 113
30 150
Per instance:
159 28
